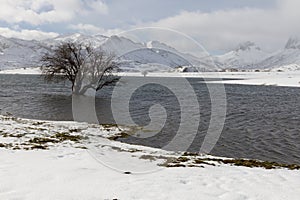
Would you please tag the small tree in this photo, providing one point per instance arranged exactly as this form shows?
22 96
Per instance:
84 66
144 73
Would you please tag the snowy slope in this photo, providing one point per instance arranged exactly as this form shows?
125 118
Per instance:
137 56
244 56
120 45
157 56
95 40
17 53
201 62
286 59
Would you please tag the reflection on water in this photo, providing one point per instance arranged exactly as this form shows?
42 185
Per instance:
262 121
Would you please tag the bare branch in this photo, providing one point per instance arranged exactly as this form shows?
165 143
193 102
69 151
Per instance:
81 64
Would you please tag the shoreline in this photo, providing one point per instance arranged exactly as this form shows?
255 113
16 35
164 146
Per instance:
111 132
285 79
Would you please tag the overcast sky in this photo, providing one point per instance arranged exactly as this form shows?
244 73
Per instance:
219 25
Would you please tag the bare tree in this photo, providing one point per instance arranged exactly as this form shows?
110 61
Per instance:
144 73
84 66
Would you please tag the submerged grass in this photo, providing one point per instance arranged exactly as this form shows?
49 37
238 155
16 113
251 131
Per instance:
118 136
65 136
191 159
255 163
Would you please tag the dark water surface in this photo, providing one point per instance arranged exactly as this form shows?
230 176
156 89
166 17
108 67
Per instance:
263 122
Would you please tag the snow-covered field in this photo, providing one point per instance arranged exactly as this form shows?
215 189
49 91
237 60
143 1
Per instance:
288 78
48 160
22 71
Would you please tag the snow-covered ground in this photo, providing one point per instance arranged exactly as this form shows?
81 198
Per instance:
290 79
286 78
47 160
22 71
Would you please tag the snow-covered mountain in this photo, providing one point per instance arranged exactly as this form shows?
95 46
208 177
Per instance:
202 62
154 55
95 40
245 55
16 53
285 59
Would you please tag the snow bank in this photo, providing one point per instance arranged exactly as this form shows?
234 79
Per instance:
66 170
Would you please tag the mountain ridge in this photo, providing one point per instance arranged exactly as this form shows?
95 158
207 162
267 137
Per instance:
18 53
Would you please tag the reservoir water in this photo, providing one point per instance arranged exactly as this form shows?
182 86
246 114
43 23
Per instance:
262 122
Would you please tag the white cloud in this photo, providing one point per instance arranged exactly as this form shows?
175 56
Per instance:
92 29
86 28
37 12
221 30
215 30
27 34
97 6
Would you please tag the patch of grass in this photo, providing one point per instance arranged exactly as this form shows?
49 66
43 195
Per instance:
263 164
18 135
16 148
190 154
132 150
37 146
76 130
201 161
66 136
168 161
119 135
109 125
8 117
81 147
37 128
253 163
190 165
175 165
183 159
42 140
117 149
38 123
148 157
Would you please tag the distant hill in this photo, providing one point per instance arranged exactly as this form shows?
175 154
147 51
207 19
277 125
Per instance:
153 55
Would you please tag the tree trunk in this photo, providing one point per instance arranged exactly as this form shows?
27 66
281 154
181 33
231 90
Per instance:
83 108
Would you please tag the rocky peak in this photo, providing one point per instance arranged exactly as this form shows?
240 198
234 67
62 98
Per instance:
247 46
293 43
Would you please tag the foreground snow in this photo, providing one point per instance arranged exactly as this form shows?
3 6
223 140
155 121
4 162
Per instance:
65 170
65 173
